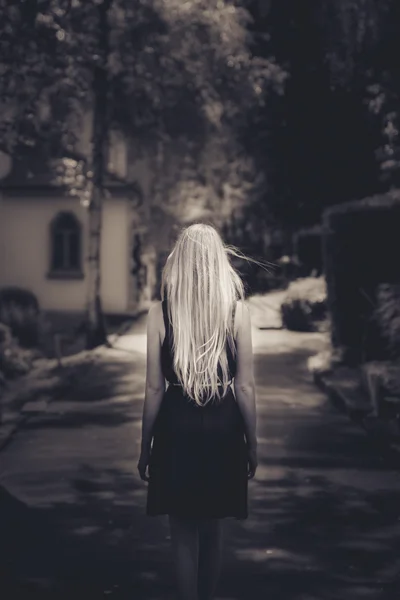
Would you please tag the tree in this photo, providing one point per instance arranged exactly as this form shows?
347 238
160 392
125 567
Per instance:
159 70
65 72
33 68
96 331
317 143
361 41
191 80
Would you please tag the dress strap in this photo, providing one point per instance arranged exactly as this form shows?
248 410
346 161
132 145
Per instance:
167 324
233 315
231 337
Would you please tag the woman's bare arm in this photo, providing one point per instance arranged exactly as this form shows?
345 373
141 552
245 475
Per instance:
244 384
155 382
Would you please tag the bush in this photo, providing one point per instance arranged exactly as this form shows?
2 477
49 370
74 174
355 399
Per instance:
361 244
19 310
14 361
387 316
20 296
304 307
5 335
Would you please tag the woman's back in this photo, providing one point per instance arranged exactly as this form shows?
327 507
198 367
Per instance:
167 353
199 458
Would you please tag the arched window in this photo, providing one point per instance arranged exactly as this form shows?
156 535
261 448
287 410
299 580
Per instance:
66 246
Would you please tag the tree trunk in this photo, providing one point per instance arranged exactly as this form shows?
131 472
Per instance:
95 324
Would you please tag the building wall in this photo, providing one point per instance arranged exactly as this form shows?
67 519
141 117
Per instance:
115 256
25 252
117 148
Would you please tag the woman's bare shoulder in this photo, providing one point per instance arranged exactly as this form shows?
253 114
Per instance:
157 306
155 309
156 313
241 309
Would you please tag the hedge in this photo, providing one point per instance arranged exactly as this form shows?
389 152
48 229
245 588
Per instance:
387 317
361 251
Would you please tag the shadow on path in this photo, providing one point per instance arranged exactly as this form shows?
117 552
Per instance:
324 508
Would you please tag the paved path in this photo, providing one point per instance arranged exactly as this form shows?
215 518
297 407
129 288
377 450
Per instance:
324 507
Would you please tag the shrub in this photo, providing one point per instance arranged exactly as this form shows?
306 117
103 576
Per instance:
361 244
387 316
14 361
5 334
19 309
20 296
304 307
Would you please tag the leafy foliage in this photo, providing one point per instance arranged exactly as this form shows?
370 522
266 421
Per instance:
40 80
157 70
14 360
176 71
168 59
361 41
193 61
19 310
333 136
387 314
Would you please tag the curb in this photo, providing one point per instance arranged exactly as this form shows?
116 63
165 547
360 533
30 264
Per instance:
376 429
30 405
27 408
123 328
11 419
339 399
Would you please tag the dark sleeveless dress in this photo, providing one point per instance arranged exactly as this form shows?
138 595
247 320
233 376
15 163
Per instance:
198 463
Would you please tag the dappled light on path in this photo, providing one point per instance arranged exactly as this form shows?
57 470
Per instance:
324 506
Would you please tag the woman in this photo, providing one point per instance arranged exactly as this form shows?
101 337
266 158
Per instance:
203 432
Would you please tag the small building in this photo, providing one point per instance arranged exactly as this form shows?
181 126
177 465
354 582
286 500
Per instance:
44 238
44 229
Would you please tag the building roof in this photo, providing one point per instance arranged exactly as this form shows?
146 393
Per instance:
33 173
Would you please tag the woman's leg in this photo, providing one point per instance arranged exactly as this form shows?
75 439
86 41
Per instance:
185 547
210 557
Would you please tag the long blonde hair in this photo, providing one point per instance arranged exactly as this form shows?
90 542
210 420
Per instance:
202 288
